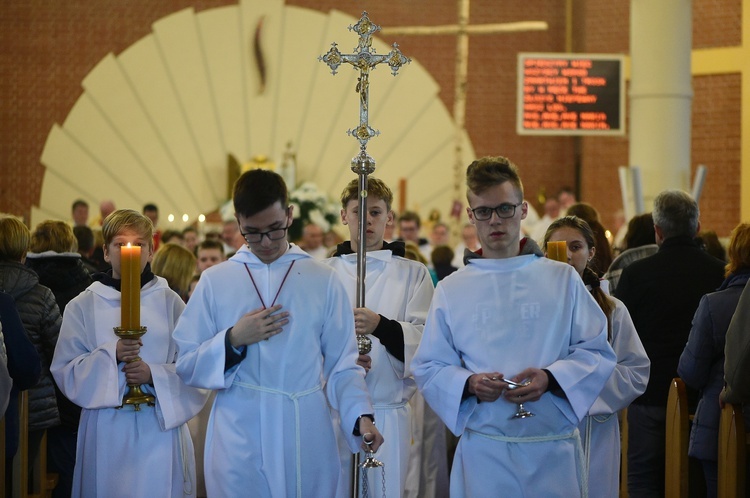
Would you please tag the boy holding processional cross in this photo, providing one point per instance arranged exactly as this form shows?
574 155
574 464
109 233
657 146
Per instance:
397 297
127 449
271 331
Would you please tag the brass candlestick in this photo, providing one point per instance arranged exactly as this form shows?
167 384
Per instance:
135 396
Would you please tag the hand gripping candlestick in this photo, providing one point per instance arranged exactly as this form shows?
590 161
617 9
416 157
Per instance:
130 316
363 59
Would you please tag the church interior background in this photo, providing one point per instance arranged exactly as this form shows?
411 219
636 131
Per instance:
145 101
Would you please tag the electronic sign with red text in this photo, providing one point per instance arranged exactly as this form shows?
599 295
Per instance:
570 94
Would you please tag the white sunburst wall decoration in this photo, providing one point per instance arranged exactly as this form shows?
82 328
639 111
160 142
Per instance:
157 122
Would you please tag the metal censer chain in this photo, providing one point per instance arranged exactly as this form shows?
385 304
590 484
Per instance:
371 463
364 345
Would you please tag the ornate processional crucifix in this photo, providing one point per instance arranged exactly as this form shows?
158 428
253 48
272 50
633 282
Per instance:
363 59
462 30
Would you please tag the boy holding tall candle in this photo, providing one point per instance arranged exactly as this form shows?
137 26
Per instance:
512 327
129 451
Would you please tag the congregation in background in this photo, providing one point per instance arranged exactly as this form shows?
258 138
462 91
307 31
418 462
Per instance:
492 369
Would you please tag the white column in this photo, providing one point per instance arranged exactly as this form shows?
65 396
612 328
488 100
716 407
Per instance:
661 93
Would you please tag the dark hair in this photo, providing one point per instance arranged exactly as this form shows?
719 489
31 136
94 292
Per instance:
588 213
490 171
585 211
640 231
410 216
256 190
442 255
79 202
150 207
709 241
168 235
85 237
211 244
589 276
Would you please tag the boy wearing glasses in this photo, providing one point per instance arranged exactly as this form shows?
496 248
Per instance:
512 314
398 294
270 331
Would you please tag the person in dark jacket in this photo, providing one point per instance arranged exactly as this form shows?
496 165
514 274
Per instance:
702 362
24 367
661 293
41 319
53 256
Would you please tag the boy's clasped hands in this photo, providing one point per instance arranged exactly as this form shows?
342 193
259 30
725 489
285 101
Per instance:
137 371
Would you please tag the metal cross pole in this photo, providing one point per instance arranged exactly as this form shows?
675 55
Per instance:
363 59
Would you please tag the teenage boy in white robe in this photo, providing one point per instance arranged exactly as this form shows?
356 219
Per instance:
123 452
270 331
512 314
397 296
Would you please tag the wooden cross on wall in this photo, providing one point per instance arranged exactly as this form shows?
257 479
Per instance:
462 30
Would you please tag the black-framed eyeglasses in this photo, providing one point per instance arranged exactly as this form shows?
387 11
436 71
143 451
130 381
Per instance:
504 210
256 237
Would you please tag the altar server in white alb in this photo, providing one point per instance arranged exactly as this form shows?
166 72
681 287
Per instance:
600 430
512 314
397 297
271 331
122 452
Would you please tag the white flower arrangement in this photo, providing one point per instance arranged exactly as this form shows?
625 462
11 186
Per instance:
311 205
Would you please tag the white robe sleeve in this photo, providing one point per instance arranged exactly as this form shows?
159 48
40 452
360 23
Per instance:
416 314
176 402
345 387
438 370
86 372
630 377
201 342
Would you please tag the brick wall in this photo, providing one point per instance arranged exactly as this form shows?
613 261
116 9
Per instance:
49 47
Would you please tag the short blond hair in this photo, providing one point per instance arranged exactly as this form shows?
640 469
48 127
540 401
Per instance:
51 235
176 264
14 238
127 219
376 188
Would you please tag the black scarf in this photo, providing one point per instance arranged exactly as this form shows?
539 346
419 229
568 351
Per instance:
108 280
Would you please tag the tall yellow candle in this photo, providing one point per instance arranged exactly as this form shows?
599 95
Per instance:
130 287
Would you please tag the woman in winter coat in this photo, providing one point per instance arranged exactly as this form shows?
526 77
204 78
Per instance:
702 362
40 317
53 255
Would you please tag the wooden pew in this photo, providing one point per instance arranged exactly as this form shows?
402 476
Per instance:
624 453
676 457
43 483
732 452
2 456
